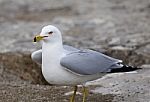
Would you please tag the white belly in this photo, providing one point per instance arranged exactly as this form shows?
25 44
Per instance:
56 74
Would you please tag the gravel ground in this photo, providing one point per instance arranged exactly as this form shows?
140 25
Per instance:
118 28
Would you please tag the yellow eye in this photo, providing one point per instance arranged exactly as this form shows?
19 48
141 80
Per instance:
50 32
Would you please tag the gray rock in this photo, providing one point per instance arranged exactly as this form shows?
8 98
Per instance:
145 66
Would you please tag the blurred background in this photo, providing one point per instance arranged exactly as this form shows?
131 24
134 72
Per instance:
119 28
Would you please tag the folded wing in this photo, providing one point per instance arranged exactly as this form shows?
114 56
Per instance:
88 62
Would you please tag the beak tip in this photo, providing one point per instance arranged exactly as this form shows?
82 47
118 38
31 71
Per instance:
34 40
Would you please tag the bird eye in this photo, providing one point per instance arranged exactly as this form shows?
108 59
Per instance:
50 32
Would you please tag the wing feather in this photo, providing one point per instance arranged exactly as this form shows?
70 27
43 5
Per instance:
88 62
37 56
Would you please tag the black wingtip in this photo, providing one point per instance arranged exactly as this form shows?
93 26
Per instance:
125 68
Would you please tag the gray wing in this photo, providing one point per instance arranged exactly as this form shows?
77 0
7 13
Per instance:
70 48
89 62
37 55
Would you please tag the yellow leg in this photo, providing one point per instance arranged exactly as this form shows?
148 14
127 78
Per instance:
74 94
85 93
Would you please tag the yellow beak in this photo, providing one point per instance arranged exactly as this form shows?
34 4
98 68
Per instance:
38 38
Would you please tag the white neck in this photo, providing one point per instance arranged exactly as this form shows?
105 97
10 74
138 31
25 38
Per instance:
52 51
53 47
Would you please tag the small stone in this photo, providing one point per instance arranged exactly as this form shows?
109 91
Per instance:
120 48
145 66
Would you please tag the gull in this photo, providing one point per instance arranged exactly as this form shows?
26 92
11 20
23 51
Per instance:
69 66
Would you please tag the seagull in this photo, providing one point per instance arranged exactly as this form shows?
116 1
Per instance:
69 66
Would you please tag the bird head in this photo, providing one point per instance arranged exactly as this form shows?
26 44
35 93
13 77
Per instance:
48 34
